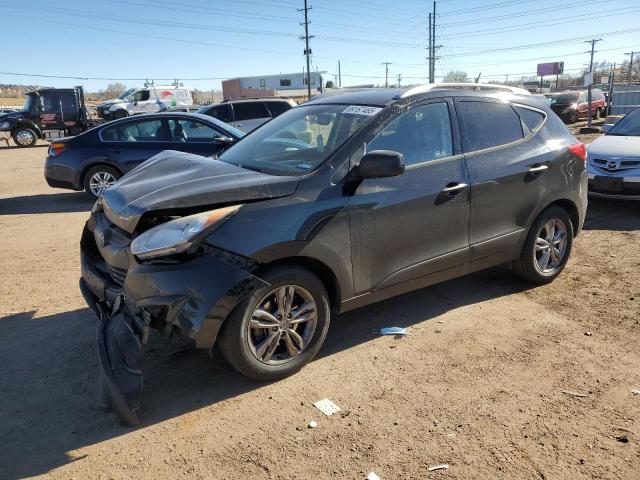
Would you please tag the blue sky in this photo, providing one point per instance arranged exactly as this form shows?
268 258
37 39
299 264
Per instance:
216 39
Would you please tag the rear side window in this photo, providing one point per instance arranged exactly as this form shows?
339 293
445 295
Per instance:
531 119
249 111
221 112
488 124
276 108
147 131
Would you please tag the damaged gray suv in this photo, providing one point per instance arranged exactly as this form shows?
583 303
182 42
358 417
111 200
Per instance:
340 202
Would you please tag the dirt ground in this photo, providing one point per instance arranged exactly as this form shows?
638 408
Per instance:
478 383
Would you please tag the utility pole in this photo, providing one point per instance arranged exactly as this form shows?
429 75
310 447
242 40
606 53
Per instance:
399 79
430 47
386 74
306 38
433 45
593 46
611 80
339 76
629 72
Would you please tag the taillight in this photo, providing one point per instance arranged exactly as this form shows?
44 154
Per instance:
56 149
579 150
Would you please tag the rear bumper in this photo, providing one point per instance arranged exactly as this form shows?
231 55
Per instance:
61 176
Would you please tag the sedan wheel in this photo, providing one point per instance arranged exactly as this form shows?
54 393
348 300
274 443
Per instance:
100 181
282 325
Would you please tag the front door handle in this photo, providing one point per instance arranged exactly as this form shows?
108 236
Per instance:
454 188
539 169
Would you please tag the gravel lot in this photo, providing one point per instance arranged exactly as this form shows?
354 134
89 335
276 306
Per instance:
478 382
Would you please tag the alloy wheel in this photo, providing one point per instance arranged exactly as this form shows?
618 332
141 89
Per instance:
24 137
100 181
550 246
282 325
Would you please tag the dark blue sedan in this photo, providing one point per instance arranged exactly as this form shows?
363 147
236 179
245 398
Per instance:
96 159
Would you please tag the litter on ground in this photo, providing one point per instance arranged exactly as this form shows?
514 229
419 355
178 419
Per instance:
326 406
442 466
390 331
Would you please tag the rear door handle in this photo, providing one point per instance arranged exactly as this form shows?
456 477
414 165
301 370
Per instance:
114 150
539 169
454 188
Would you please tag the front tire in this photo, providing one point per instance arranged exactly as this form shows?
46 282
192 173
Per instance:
98 179
25 137
120 114
547 248
279 328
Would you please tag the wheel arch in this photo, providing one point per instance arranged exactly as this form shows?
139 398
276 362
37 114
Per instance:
28 124
88 167
315 266
571 208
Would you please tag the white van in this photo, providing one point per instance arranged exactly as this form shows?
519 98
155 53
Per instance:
149 99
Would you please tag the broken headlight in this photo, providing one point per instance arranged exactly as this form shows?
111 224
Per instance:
180 234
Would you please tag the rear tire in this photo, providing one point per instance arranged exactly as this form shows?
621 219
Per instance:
24 137
99 178
247 347
547 248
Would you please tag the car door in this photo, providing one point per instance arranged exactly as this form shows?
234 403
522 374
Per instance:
508 169
416 224
127 144
193 136
48 116
141 102
248 116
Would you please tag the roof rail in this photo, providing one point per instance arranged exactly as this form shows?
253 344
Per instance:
463 86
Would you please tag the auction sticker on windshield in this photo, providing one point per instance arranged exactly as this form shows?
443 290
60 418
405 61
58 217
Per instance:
361 110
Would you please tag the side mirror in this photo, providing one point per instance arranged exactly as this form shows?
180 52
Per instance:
222 140
380 164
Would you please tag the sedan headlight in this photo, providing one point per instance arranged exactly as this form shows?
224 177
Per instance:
178 235
4 125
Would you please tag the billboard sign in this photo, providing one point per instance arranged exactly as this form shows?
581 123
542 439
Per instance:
553 68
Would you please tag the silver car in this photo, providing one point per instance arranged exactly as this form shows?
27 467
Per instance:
613 160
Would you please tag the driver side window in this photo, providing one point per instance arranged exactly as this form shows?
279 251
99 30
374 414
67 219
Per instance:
422 134
141 96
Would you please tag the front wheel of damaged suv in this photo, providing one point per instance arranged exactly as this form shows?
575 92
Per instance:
547 248
279 328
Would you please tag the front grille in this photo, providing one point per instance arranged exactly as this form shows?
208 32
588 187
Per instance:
612 166
118 275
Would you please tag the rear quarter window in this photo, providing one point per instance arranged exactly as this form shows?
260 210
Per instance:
488 124
531 119
276 108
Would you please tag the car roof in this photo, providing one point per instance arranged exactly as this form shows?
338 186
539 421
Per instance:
253 99
195 116
382 97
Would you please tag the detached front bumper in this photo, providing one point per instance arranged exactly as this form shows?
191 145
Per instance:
190 298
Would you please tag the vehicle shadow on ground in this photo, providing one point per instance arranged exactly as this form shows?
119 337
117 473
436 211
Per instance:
45 203
15 147
617 215
49 388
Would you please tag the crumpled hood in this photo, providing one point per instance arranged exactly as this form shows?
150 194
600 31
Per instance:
107 103
611 146
174 180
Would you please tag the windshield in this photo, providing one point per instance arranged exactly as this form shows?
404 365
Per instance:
299 140
628 126
566 98
28 103
126 93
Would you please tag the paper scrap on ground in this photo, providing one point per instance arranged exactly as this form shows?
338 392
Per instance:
443 466
391 331
326 406
373 476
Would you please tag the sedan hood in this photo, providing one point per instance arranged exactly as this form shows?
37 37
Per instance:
615 146
177 180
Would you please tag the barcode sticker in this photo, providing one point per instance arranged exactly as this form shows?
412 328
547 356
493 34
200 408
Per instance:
361 110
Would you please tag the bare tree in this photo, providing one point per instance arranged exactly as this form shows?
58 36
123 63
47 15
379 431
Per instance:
456 76
114 90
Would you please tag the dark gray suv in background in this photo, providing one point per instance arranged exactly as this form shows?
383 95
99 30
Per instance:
337 203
